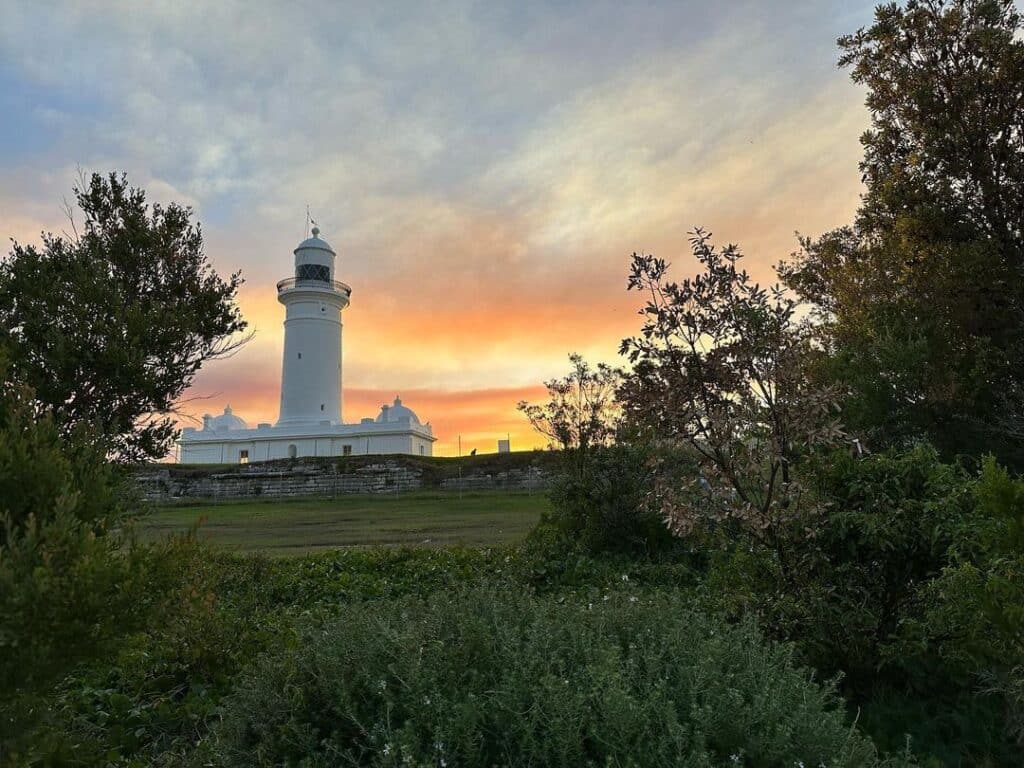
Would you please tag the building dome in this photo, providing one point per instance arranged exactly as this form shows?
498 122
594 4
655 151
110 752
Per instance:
315 242
226 420
396 412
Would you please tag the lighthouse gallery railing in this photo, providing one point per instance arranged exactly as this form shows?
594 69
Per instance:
304 282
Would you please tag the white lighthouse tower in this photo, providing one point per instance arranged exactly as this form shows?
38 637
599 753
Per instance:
311 367
309 423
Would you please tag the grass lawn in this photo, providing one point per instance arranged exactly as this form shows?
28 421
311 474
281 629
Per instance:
283 527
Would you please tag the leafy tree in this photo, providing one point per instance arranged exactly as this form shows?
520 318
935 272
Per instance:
922 295
719 368
109 327
581 414
601 501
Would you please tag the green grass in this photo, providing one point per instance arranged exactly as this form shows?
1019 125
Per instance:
286 527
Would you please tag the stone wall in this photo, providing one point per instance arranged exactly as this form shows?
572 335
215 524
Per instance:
164 484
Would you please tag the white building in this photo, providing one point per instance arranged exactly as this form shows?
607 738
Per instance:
310 421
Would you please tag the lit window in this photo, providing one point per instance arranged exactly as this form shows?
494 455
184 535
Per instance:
243 457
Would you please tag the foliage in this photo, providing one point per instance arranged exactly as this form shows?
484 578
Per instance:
719 368
610 508
972 616
58 571
110 326
498 678
892 525
901 591
581 414
71 587
155 699
922 295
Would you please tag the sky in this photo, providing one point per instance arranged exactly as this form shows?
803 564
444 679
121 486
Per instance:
484 170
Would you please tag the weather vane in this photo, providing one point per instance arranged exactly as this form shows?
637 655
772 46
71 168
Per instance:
310 220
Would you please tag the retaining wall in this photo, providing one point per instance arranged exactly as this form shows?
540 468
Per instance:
163 484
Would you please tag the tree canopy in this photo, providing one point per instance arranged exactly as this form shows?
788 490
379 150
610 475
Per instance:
108 327
922 294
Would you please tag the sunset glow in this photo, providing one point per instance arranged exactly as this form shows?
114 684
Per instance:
484 215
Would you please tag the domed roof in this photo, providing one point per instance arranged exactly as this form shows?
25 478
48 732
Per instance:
315 242
226 420
396 412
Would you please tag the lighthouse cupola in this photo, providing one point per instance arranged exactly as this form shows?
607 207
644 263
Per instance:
314 259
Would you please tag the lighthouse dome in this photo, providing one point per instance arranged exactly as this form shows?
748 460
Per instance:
315 242
396 412
226 420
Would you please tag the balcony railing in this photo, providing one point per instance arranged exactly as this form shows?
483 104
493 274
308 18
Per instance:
293 283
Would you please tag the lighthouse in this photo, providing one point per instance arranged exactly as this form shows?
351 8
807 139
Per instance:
310 418
311 366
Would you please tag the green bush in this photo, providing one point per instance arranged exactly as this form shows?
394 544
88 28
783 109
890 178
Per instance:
906 589
605 506
891 526
485 677
64 582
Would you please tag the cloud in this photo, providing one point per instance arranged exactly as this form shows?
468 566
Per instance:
483 172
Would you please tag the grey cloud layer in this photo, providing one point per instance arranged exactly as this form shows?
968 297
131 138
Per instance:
523 147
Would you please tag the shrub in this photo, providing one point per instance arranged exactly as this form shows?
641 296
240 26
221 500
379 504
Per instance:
607 506
62 595
906 589
893 521
487 677
73 586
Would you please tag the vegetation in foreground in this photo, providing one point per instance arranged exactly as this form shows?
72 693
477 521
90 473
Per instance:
829 586
488 677
299 526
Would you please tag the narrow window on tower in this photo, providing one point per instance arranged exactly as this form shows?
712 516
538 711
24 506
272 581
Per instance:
300 355
321 406
243 457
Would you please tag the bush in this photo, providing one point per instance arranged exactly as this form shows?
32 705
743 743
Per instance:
63 580
892 524
607 507
487 677
902 589
73 586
